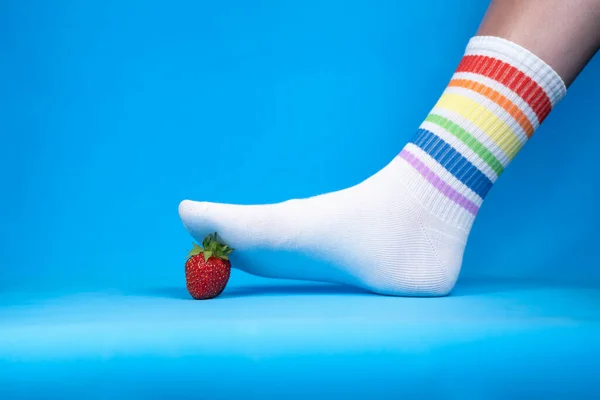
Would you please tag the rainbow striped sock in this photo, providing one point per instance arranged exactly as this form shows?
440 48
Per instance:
499 94
403 230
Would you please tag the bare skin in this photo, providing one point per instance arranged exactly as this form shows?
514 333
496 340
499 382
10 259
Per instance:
563 33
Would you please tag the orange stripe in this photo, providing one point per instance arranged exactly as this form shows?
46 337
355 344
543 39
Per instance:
512 78
497 98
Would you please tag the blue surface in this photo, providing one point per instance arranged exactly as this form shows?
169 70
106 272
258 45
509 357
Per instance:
113 111
275 339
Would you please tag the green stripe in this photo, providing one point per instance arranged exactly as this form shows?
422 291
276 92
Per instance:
469 140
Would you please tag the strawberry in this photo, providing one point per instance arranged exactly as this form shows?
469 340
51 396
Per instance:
207 268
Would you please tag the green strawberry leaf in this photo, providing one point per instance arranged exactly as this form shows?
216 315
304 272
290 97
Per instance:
194 251
213 247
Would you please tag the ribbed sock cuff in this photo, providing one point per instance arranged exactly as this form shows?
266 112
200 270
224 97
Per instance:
499 94
522 59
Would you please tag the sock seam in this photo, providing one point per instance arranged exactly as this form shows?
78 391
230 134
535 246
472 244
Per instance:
437 256
462 241
424 208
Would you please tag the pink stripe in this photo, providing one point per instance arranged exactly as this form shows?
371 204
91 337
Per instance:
438 183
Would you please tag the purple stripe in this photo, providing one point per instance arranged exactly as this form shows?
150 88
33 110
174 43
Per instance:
438 182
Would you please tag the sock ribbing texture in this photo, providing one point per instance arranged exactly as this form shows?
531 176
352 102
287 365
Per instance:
499 94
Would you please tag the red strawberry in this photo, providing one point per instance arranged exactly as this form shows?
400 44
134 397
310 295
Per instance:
207 268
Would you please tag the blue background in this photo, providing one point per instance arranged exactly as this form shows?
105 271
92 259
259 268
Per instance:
113 111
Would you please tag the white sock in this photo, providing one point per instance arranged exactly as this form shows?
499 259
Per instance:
403 231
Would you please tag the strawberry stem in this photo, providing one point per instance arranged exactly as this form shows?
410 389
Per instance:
211 247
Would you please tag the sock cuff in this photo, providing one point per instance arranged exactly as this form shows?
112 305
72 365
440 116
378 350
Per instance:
498 96
522 59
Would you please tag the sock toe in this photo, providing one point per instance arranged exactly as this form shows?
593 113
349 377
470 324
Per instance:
195 218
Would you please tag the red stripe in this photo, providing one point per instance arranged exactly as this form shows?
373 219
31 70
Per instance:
511 77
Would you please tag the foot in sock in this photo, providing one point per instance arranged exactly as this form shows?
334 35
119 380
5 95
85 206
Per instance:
403 230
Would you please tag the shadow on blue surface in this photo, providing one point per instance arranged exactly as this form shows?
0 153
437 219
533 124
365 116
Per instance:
467 288
180 292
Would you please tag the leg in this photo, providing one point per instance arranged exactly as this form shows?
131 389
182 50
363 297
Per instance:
565 34
403 231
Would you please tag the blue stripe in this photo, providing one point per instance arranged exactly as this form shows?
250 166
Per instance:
453 161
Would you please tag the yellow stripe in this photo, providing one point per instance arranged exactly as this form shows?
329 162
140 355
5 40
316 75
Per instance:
504 137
